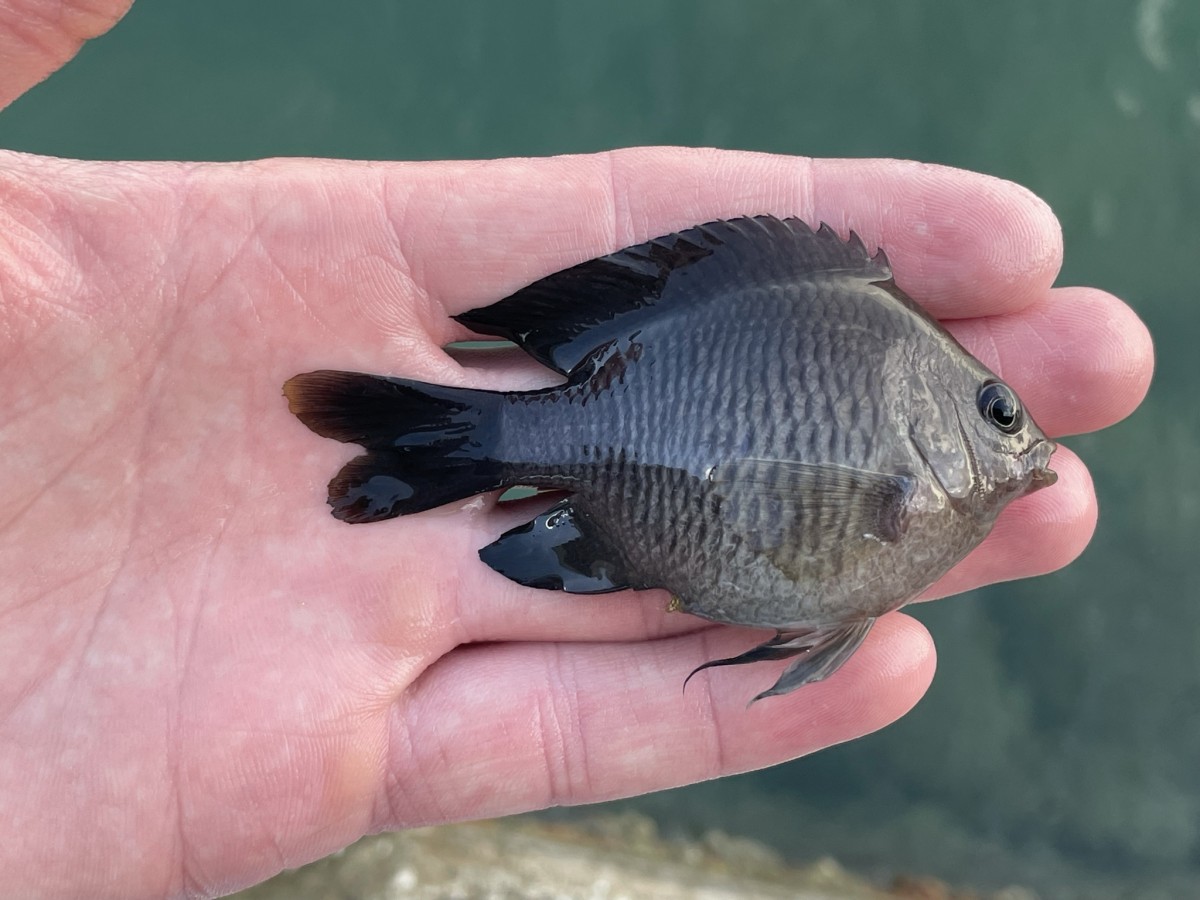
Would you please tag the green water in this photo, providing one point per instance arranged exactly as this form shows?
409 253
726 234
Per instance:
1059 746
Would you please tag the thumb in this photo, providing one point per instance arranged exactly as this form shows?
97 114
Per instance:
39 36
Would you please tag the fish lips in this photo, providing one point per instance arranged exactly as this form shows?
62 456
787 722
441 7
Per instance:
1038 456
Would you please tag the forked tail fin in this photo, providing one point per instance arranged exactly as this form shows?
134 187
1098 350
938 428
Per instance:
426 445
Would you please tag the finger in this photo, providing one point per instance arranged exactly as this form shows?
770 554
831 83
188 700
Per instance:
962 243
517 613
1079 359
1035 535
490 730
402 245
39 36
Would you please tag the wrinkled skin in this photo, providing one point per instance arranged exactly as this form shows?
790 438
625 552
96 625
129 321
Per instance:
205 678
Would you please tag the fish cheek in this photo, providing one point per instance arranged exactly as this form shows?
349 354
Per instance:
939 437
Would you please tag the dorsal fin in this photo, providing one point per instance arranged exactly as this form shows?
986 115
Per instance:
560 319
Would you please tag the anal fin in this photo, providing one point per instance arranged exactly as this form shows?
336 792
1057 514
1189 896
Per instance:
821 652
562 549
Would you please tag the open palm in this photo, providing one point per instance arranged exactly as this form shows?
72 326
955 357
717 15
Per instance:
205 678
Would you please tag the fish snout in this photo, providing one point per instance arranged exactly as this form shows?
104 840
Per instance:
1042 475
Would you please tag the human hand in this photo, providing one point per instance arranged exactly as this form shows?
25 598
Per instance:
205 678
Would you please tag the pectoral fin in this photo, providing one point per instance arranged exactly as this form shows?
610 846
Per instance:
562 549
821 652
792 510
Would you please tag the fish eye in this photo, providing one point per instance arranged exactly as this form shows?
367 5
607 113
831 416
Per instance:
999 405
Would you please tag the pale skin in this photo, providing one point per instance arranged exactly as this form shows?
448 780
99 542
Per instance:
205 678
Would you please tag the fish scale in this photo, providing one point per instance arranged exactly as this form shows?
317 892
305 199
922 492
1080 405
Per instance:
753 416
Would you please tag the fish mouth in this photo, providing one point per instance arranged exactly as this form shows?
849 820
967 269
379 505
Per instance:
1042 476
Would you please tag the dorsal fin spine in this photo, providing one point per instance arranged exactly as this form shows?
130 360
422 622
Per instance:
551 318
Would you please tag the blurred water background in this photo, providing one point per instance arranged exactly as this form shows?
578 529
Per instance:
1060 744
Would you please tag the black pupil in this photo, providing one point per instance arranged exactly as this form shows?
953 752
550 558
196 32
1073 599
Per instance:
1000 406
1002 412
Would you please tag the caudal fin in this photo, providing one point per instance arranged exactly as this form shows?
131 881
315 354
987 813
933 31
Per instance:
426 444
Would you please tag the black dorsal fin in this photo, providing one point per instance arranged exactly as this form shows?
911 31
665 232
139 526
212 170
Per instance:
562 318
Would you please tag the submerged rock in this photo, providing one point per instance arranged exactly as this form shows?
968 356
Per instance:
613 857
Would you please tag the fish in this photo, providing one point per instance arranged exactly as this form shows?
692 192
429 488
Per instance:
752 415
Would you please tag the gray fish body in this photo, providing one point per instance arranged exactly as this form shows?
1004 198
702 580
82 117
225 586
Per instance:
808 371
754 417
